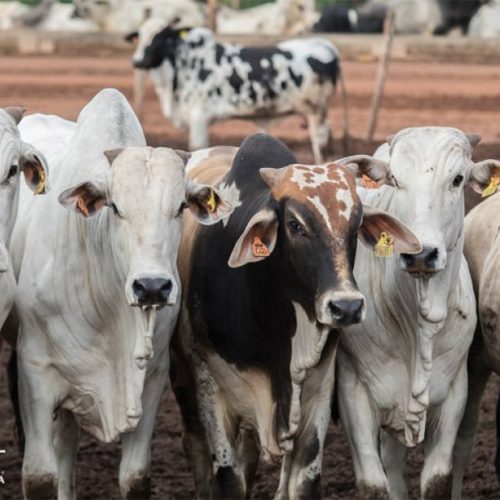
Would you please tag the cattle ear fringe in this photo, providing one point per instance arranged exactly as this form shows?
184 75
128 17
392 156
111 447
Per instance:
35 169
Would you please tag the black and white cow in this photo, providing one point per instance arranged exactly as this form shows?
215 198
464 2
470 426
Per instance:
264 295
200 81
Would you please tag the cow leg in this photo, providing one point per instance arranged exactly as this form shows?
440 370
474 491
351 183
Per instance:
442 428
66 438
313 124
135 481
478 377
394 460
248 456
362 428
193 440
38 400
198 130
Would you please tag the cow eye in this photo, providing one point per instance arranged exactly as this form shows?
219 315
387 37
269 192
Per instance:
115 209
296 227
12 172
181 208
458 180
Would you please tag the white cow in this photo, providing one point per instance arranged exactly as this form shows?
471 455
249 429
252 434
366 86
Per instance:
125 16
282 17
16 156
402 374
97 267
486 22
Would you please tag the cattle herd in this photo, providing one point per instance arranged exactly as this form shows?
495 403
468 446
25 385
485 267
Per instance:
269 295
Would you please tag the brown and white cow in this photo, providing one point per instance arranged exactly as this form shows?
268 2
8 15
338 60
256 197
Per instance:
265 292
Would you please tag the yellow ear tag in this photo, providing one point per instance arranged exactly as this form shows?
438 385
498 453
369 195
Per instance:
384 246
81 205
183 33
491 188
211 203
41 183
260 249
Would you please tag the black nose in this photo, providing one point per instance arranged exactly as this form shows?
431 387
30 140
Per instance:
422 262
151 292
346 312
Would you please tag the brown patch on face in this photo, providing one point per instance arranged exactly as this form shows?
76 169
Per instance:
328 192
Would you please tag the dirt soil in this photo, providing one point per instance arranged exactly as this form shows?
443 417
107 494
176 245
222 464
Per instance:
417 94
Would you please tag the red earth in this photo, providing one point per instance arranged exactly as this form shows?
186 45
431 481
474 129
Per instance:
465 96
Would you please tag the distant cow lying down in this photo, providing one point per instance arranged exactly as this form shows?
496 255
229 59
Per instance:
200 81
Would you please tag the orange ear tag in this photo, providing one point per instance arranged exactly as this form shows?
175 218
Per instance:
368 183
82 207
211 203
259 249
384 246
491 188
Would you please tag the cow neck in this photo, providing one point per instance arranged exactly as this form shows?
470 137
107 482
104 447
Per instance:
420 306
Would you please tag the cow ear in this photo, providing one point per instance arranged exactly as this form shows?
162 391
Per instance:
206 203
365 165
15 112
485 177
385 234
257 240
35 169
86 199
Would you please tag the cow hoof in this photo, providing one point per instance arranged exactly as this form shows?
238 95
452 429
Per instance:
437 488
372 492
39 486
138 487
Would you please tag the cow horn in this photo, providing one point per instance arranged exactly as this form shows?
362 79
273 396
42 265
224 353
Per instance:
15 112
474 139
111 154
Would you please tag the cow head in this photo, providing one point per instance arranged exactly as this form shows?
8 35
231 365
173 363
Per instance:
17 156
428 169
311 226
147 193
155 43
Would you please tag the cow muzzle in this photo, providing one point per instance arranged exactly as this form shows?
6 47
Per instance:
152 292
339 310
429 261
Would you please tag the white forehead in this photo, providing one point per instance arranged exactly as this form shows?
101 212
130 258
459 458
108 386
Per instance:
414 151
139 168
313 176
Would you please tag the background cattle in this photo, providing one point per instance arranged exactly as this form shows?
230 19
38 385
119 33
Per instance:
264 295
486 22
200 81
482 251
402 377
99 293
281 17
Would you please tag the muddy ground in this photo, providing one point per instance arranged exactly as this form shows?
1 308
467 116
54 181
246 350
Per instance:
466 96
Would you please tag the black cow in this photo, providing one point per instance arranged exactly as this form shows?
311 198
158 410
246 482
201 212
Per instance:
265 294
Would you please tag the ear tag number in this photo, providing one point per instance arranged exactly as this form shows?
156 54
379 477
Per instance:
259 249
211 203
41 183
81 206
384 246
491 188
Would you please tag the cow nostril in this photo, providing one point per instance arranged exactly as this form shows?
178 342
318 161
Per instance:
431 257
138 288
346 311
166 288
408 259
